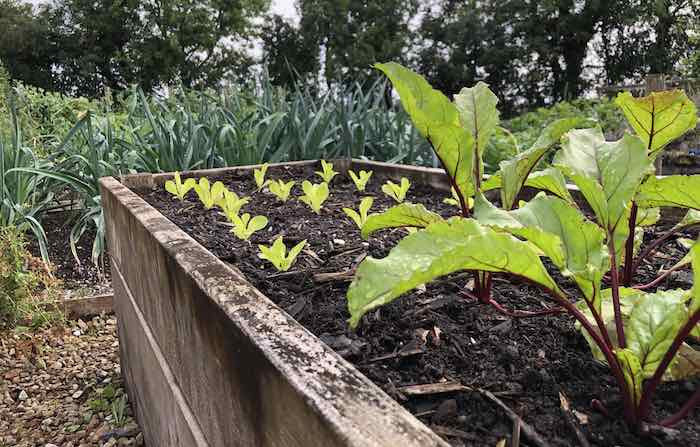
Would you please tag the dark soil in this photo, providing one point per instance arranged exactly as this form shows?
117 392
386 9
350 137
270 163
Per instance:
432 335
83 277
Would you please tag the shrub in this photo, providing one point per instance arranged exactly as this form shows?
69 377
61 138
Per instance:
26 283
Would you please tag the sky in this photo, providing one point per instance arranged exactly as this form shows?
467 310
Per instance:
284 8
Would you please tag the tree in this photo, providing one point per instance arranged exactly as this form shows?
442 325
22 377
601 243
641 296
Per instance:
287 52
26 48
353 35
85 46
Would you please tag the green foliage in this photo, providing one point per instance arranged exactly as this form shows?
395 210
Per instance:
244 226
209 194
231 204
396 192
281 189
404 215
278 256
327 173
314 195
442 248
361 180
25 283
659 117
259 176
178 188
360 216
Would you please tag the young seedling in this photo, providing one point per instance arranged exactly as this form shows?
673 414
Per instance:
281 189
454 200
361 180
231 204
259 176
327 172
396 192
178 188
208 194
276 254
244 226
314 195
361 217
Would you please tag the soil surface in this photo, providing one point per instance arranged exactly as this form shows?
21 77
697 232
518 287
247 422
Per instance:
81 277
62 387
433 335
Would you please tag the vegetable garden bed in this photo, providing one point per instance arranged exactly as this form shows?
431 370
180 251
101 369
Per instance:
210 361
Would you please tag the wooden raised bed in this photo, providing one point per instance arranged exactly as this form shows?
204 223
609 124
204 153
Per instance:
208 360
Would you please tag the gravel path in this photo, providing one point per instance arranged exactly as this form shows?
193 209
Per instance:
63 387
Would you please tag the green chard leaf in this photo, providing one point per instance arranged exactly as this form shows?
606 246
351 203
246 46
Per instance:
442 248
515 172
660 117
437 119
651 322
608 175
647 217
632 370
479 115
550 180
681 191
403 215
574 244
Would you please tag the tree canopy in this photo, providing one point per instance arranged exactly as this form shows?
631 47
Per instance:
530 52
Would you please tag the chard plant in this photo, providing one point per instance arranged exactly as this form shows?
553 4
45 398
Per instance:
360 216
396 192
280 189
361 179
641 337
209 194
259 176
314 195
231 204
277 254
326 173
458 133
178 188
244 226
658 119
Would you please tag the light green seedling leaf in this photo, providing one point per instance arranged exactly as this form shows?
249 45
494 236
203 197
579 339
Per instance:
178 188
647 217
314 195
454 200
361 180
259 176
632 370
400 216
396 192
277 254
244 226
659 118
479 115
360 217
681 191
442 248
231 204
515 172
692 217
327 173
208 194
608 175
281 189
437 119
574 244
